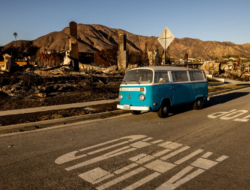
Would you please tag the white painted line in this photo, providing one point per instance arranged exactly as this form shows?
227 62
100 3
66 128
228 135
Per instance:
161 153
99 158
142 181
229 116
160 166
220 159
96 175
204 163
118 150
140 144
206 155
184 159
180 174
106 148
119 179
219 114
134 137
165 143
90 147
158 141
141 158
126 168
68 157
150 138
244 119
175 153
170 145
189 177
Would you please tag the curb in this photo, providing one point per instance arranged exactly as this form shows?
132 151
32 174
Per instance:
61 121
224 91
75 119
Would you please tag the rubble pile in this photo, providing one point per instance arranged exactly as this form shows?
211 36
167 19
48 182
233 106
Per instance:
33 87
228 70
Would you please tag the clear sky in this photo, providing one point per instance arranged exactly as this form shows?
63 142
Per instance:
208 20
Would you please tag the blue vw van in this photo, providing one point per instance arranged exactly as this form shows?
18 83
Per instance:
158 88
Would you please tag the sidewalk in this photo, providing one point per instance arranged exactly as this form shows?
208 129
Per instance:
55 107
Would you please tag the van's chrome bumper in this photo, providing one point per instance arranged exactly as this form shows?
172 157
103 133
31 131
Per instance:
138 108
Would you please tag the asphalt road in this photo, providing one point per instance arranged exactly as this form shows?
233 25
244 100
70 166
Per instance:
191 149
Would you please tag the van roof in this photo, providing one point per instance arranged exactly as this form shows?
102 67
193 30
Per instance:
169 68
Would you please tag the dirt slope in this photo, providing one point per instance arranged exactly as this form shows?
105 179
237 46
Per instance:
92 38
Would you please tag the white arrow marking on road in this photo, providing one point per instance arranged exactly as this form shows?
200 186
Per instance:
98 175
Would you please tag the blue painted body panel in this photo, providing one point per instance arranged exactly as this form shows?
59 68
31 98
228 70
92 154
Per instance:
177 93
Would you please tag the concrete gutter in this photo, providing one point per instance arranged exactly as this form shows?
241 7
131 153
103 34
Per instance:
61 121
75 119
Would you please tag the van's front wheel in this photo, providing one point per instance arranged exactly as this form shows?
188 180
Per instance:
136 112
198 104
164 110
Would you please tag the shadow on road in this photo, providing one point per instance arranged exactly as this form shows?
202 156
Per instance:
220 99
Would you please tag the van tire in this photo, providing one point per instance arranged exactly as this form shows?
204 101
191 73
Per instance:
164 110
198 103
136 112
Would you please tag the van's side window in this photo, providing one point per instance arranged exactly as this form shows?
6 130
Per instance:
179 76
161 77
196 75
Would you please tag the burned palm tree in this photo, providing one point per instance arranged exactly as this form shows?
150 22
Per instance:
15 34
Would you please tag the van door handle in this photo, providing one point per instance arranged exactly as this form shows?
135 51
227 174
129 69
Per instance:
170 88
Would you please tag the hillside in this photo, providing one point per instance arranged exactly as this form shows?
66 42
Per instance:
92 38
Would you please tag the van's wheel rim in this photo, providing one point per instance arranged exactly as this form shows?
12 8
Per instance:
165 110
198 103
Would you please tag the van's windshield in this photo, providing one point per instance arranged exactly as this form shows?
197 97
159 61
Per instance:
139 76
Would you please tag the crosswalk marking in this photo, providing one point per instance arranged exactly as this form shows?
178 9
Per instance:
153 161
174 153
130 166
184 159
119 179
142 181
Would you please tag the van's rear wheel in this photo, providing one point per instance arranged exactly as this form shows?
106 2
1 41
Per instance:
164 110
136 112
198 103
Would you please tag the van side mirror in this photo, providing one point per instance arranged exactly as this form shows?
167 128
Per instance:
161 80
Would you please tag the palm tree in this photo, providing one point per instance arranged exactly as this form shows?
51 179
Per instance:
15 34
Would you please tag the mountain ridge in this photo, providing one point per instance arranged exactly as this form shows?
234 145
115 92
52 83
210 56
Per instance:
95 37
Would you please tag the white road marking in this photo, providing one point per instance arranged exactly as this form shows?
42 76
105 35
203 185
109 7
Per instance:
170 145
161 153
68 157
142 181
220 159
180 174
109 147
126 168
101 144
232 115
174 153
160 166
206 155
244 119
189 177
184 159
99 158
158 141
119 179
219 114
140 144
141 158
71 156
96 175
204 163
147 139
